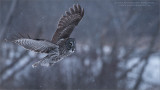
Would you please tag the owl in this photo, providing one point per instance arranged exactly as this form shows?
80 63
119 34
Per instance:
61 45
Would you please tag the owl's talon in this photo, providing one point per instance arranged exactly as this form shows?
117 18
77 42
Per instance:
35 65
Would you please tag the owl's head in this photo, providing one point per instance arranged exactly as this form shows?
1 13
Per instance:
71 45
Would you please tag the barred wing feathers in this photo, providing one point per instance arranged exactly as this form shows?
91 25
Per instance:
41 46
68 22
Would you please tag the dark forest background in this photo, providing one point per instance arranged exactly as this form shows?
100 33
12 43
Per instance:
118 45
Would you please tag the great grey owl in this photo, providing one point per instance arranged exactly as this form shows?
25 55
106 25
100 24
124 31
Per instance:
61 45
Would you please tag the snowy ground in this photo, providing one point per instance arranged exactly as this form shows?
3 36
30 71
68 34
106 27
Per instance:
151 74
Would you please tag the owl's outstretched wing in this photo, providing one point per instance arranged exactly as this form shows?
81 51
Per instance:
68 22
41 46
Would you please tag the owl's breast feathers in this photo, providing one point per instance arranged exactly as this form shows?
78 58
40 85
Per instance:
62 48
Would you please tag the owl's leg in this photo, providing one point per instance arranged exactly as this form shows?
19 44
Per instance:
51 64
39 62
47 61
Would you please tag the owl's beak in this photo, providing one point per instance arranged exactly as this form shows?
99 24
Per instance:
73 49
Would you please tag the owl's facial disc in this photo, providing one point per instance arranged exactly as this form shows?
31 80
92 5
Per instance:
70 45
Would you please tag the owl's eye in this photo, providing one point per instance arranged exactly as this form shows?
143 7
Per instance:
70 44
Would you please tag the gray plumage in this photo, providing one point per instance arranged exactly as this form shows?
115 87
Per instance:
61 45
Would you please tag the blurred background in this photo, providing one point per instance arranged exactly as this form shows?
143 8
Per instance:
117 45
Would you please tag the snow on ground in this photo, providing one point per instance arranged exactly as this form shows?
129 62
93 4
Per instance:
152 72
107 50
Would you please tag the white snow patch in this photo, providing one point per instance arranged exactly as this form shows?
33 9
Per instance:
8 73
135 71
96 67
132 62
22 62
121 52
152 71
107 50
